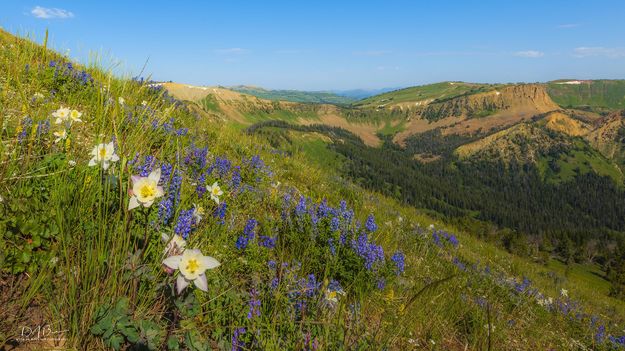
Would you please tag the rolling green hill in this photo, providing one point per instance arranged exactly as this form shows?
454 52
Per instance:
423 93
598 95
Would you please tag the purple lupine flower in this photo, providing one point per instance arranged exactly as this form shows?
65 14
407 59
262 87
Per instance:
334 224
370 252
185 222
223 166
26 123
381 284
254 305
200 188
166 169
300 209
274 283
370 224
145 168
332 246
236 178
309 286
453 240
522 287
267 241
343 206
323 209
237 345
242 242
220 212
250 228
461 266
399 259
248 234
437 239
166 209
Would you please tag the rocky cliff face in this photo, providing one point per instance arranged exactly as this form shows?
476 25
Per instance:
524 143
530 97
609 137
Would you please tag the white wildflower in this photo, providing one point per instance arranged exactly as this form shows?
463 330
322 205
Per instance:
215 192
62 115
103 154
192 264
60 135
198 213
145 189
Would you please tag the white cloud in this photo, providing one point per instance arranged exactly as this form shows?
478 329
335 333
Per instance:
47 13
530 54
568 25
234 51
589 51
387 68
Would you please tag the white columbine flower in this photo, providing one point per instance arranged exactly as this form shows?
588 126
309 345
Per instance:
103 154
61 115
145 189
198 213
144 103
175 244
192 265
564 293
332 295
75 116
60 135
121 100
215 192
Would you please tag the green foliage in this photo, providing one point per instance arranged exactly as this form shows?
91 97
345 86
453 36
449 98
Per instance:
28 224
115 324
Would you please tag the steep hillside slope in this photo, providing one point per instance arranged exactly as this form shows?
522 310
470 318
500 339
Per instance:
481 112
609 137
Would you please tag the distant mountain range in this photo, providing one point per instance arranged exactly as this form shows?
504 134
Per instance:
337 97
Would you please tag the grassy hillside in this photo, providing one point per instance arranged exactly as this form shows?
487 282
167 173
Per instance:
423 93
593 94
319 97
307 259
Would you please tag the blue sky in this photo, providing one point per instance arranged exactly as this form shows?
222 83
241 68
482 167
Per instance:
322 45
